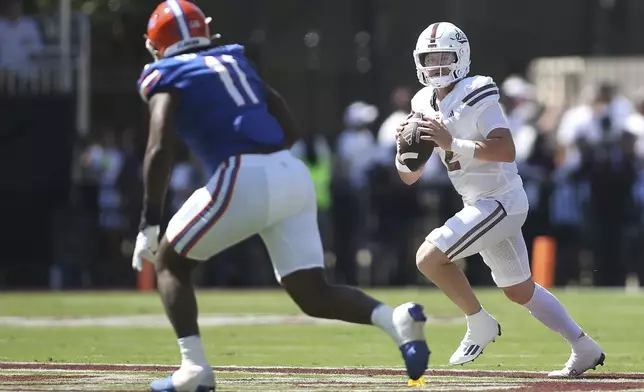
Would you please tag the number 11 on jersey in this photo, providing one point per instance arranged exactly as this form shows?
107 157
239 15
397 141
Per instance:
217 65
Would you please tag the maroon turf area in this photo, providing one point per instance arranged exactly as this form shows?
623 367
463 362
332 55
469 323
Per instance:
534 382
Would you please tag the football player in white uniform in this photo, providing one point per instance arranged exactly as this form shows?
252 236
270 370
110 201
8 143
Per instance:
463 117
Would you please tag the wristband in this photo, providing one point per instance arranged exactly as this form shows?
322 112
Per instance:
463 147
401 166
148 219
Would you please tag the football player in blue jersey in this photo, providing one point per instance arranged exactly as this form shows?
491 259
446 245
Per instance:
212 99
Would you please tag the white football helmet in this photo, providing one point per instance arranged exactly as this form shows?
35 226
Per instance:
442 55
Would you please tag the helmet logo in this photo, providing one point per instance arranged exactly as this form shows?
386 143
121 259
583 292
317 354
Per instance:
459 37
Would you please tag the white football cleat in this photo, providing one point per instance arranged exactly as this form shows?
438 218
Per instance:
193 378
482 329
586 354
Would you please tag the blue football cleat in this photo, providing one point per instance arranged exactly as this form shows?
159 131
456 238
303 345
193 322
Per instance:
409 321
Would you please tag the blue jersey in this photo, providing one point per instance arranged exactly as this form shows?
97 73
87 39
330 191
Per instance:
222 107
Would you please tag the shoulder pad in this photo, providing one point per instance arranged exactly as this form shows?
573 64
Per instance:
478 89
422 99
235 48
232 48
149 79
162 73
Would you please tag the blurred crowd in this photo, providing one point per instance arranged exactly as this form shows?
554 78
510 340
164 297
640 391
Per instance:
21 42
582 169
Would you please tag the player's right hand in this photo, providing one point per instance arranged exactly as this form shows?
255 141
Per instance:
403 124
400 129
147 243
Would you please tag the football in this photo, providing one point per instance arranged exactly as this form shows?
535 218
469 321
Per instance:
414 152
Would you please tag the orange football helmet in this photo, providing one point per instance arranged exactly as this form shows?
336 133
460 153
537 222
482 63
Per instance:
175 26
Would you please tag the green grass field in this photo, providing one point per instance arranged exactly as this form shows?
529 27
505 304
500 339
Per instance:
249 333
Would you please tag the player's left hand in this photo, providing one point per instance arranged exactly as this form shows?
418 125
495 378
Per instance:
147 243
434 130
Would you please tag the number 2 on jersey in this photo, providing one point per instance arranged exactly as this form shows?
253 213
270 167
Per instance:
451 166
216 63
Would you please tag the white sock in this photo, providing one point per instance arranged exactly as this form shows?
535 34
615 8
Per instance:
546 308
481 315
383 317
192 352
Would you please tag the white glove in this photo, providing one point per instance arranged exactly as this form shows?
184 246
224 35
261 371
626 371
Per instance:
147 243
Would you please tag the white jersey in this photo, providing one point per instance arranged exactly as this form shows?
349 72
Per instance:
472 178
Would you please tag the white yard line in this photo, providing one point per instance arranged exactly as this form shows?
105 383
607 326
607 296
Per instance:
160 321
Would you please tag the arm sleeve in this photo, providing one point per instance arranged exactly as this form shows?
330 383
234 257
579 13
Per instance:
491 117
